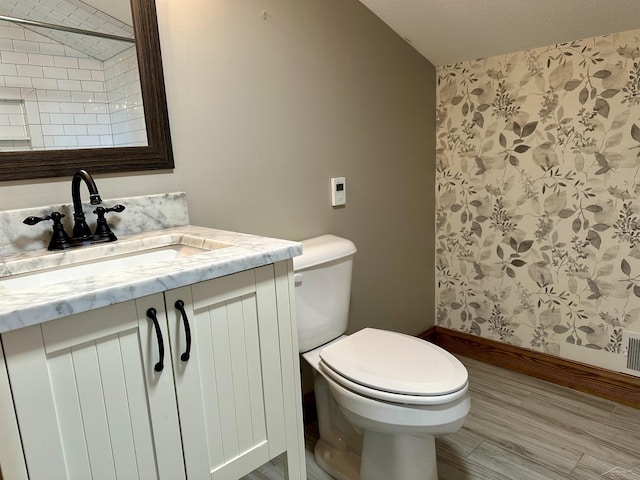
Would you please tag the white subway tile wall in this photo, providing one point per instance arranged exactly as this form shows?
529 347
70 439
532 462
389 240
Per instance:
67 99
122 79
14 132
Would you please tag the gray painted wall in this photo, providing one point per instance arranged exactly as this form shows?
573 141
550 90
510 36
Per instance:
264 111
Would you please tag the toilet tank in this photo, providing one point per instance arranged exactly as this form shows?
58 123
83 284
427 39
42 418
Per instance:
323 288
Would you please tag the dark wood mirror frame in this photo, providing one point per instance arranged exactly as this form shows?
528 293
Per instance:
157 155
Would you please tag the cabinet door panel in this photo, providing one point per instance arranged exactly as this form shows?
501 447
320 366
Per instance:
97 421
139 409
36 409
88 327
196 389
217 317
69 414
223 382
12 464
118 412
92 406
232 286
160 390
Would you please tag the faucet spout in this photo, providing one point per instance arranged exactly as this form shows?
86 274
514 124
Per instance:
81 230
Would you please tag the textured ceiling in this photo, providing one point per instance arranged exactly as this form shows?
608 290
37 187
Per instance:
449 31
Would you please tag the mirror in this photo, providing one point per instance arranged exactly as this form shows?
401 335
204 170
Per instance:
69 76
151 150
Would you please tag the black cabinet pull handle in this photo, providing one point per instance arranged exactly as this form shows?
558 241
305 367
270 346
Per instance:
151 313
187 331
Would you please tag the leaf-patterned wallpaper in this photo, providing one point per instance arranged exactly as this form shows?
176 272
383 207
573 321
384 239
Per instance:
538 195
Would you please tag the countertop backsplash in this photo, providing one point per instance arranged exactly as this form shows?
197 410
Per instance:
142 213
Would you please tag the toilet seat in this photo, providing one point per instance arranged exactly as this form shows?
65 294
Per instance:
394 367
406 399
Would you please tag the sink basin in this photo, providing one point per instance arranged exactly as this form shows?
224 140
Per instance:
105 259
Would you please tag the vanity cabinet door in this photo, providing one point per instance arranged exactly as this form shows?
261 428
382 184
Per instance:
12 464
229 390
89 403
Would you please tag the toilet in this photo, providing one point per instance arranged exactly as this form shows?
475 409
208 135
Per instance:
382 397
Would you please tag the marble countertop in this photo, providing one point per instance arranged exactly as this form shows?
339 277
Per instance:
31 306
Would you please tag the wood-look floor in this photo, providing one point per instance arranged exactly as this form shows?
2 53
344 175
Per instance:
521 428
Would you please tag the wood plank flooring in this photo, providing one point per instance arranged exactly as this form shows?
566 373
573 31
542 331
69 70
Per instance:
522 428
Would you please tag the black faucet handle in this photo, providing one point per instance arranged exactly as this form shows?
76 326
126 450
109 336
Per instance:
116 208
102 211
59 240
103 232
55 216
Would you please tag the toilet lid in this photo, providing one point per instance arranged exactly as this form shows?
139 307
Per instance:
394 362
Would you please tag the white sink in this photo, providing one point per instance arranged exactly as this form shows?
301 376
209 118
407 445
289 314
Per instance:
86 262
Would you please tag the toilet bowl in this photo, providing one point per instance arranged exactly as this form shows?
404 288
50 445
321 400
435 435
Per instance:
381 396
396 408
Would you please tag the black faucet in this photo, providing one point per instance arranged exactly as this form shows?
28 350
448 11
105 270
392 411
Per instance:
81 231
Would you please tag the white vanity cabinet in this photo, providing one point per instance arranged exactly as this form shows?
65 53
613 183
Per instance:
92 402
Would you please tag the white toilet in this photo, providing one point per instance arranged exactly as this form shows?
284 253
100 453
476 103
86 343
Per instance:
381 396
